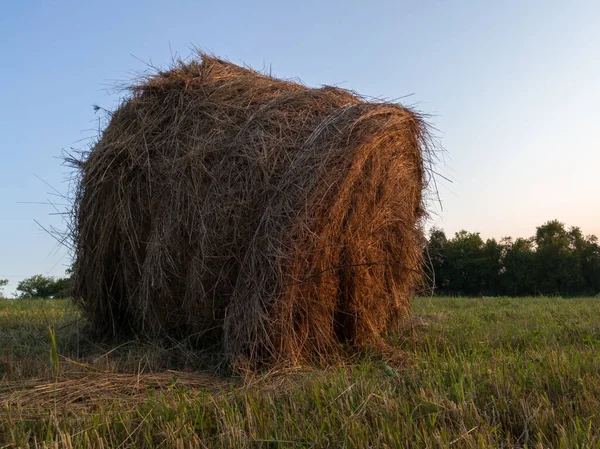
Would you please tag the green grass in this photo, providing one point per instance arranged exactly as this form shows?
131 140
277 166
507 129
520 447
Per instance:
480 373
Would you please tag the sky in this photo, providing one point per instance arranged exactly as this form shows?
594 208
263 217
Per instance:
512 89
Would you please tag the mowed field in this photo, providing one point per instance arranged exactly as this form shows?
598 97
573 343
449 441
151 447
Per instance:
476 373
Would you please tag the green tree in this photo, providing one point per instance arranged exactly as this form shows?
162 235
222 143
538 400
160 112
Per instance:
435 258
39 286
3 283
518 274
558 266
462 270
491 267
590 264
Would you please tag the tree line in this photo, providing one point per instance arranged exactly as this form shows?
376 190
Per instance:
555 261
40 286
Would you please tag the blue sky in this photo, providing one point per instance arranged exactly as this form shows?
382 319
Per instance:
513 87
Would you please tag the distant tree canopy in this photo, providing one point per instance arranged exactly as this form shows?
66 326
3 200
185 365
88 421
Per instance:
554 261
39 286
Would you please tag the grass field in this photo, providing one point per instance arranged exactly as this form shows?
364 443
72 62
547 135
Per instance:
479 373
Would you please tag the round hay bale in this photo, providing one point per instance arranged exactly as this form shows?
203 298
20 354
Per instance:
273 220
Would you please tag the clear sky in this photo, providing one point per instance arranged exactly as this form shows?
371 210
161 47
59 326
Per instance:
513 87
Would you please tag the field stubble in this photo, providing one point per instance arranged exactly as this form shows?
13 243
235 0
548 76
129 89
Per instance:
479 372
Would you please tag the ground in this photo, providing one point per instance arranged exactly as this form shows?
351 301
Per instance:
477 373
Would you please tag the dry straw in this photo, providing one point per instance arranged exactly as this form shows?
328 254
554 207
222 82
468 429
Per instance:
275 221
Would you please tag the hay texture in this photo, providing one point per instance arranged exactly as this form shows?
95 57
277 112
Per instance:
270 219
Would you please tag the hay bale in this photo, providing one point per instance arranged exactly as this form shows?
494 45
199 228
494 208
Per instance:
271 219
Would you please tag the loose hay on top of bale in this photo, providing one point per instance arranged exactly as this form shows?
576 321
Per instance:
270 219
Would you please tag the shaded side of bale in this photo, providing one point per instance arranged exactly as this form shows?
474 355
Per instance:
267 218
